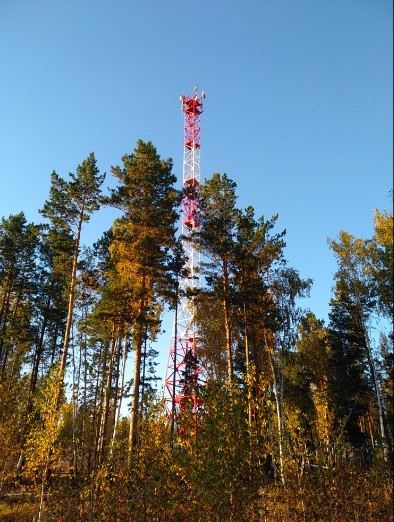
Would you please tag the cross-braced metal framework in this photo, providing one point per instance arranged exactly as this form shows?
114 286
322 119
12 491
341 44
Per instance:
183 370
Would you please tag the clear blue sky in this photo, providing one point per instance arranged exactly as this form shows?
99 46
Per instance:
298 109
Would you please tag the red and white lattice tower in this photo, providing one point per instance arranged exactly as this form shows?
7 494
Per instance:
183 370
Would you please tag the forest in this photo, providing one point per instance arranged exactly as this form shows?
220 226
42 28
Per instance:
296 422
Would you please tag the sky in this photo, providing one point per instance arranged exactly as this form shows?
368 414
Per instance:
298 109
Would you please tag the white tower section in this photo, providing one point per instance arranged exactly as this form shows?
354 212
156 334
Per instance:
182 369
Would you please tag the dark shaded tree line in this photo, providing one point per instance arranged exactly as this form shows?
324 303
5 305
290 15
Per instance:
290 404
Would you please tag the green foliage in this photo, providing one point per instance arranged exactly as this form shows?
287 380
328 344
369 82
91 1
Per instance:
360 294
144 236
219 215
142 246
43 447
294 419
380 261
72 202
18 286
224 475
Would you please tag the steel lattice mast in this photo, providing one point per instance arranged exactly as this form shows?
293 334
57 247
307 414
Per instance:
182 368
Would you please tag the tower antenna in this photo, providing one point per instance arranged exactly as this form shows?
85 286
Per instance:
183 369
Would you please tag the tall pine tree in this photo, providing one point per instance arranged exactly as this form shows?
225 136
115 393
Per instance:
141 249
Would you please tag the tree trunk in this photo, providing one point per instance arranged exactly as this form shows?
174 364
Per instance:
12 321
278 409
371 365
98 421
227 325
173 404
137 378
71 299
4 314
107 396
121 388
37 358
378 400
247 371
135 398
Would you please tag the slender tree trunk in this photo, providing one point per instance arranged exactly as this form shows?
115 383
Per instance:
378 400
278 410
137 378
227 325
12 321
76 384
37 357
121 387
4 312
227 328
101 402
143 367
173 405
3 356
71 299
135 398
116 393
107 396
93 448
54 343
42 494
247 371
376 386
85 467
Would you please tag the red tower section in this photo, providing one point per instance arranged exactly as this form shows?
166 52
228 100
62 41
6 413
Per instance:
183 370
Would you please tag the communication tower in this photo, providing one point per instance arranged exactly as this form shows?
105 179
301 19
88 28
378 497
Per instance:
183 370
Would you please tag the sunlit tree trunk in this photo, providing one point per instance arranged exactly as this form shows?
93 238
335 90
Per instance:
107 395
279 419
121 391
227 325
138 342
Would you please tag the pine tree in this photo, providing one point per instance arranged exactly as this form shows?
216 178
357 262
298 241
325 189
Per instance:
69 206
216 238
141 249
350 391
18 286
